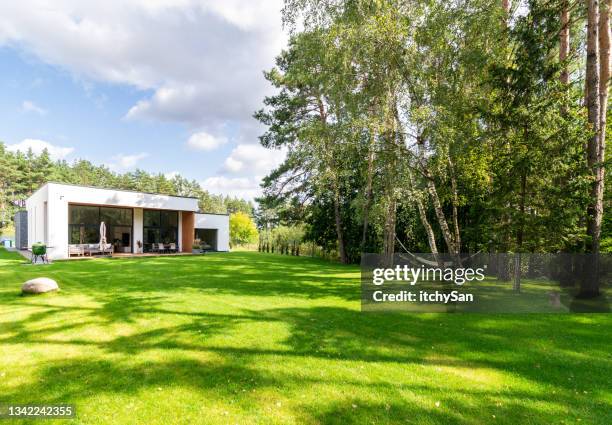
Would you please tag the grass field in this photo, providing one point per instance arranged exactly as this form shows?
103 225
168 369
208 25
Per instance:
259 338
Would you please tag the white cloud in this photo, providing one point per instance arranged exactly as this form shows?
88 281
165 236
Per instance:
241 187
38 146
233 165
253 160
202 60
197 62
29 106
124 162
244 168
205 142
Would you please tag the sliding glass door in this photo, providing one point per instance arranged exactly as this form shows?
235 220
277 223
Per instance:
84 226
159 227
118 227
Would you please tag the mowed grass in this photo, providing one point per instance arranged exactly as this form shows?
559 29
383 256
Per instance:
247 337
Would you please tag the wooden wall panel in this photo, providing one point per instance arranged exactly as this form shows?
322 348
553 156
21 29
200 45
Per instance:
188 223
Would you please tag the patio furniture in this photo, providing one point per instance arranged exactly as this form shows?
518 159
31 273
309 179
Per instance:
77 250
96 248
93 249
162 248
39 250
172 248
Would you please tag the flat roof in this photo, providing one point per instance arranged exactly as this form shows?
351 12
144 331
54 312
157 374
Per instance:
207 213
125 190
112 188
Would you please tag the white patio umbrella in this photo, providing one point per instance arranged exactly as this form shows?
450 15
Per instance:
103 237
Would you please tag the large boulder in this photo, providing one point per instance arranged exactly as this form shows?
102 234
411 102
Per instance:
40 285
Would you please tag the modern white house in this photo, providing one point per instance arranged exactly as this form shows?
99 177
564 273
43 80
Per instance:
65 216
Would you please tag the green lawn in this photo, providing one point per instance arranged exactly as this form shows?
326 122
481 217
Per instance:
259 338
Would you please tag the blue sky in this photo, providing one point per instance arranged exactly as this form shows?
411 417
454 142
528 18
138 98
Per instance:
165 85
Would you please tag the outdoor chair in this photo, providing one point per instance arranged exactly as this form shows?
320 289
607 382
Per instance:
76 250
107 248
162 248
172 247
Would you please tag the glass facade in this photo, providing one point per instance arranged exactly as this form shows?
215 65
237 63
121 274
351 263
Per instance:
206 238
159 227
84 225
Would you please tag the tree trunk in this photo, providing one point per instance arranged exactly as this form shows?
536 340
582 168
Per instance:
457 234
605 61
336 191
590 286
431 237
519 233
446 233
393 136
368 194
594 117
506 8
433 193
389 232
339 229
564 42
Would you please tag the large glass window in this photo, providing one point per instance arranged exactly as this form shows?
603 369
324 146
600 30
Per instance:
116 216
169 219
159 227
152 218
81 214
84 226
206 238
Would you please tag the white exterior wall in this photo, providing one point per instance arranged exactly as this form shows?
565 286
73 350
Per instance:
35 205
137 230
215 221
58 196
179 242
58 222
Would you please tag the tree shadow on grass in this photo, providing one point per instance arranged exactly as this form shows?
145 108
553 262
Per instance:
528 347
546 343
332 334
242 274
265 275
569 353
484 407
69 381
84 380
358 411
